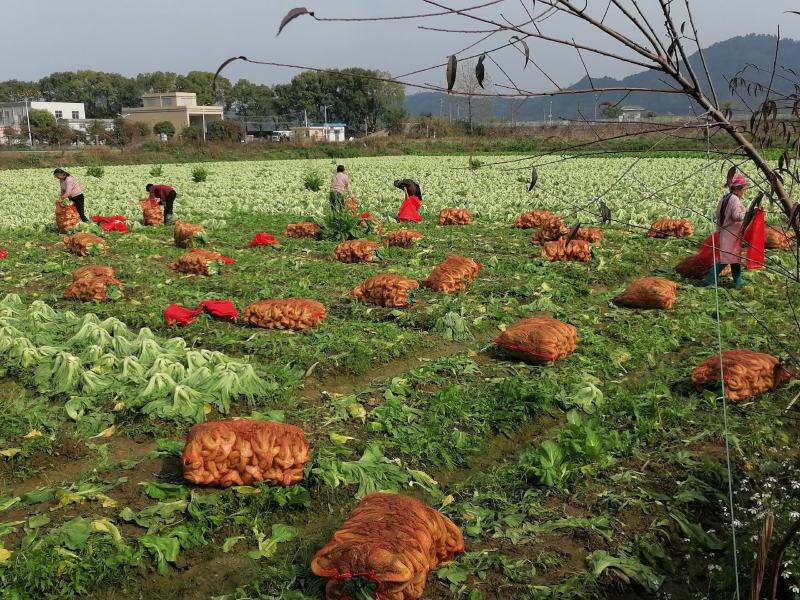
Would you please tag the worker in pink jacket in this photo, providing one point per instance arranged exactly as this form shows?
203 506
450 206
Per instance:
71 190
729 217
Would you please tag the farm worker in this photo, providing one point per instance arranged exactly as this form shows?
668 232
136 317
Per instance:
410 206
71 190
166 197
729 217
340 189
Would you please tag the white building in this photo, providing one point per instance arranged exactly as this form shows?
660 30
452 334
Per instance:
632 114
330 132
14 113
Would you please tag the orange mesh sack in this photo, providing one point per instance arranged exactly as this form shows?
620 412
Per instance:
351 204
593 235
694 267
288 313
576 250
385 290
452 274
355 251
243 452
89 271
304 229
151 212
776 238
84 244
534 218
403 238
455 216
199 262
747 373
66 216
540 340
550 231
664 228
648 292
390 540
94 289
183 233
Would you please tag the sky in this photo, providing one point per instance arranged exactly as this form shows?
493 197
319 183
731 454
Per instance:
133 36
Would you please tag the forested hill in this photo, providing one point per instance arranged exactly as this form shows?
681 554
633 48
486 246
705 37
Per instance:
724 59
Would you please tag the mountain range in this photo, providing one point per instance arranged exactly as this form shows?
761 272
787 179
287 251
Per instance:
724 60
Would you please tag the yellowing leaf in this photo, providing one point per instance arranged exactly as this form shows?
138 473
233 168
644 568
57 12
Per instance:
33 433
106 433
106 501
502 327
4 555
105 526
67 498
10 452
246 490
447 500
134 302
119 406
357 411
207 408
338 438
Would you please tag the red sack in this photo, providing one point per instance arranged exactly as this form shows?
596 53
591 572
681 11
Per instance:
99 219
409 210
754 236
175 314
220 309
114 226
263 239
3 253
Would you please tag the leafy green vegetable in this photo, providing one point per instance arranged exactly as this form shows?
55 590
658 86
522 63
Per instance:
600 560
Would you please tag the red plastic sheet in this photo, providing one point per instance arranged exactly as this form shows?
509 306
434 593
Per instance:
111 219
219 309
3 253
263 239
112 223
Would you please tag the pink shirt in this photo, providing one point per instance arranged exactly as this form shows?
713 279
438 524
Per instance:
730 232
340 183
70 187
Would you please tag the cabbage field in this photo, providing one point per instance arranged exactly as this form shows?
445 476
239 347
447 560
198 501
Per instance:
602 475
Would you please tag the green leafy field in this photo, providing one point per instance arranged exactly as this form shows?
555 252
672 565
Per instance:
602 476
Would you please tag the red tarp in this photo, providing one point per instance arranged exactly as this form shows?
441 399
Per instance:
219 309
113 223
263 239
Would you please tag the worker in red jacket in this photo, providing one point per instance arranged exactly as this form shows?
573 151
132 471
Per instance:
165 195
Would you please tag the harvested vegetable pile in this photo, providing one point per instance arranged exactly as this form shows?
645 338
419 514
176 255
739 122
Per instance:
540 340
391 542
185 234
84 244
696 267
351 204
777 238
747 373
593 235
371 224
88 271
576 250
288 313
200 262
534 218
452 274
355 251
66 216
95 288
151 212
243 452
550 231
648 292
403 238
455 216
385 290
664 228
303 229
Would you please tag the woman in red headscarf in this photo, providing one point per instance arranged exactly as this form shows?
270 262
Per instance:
409 209
729 217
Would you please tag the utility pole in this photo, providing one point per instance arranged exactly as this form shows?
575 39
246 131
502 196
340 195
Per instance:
550 118
28 119
441 107
366 126
305 117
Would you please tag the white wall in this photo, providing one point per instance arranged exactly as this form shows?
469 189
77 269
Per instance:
64 108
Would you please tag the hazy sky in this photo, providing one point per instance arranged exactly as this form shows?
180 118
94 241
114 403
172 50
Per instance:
132 36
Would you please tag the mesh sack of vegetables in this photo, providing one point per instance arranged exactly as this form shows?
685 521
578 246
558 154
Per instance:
355 251
243 452
371 224
533 219
593 235
385 290
696 267
200 262
452 274
648 292
777 238
550 231
540 340
386 549
304 229
151 212
575 251
351 204
664 228
455 216
66 216
402 238
97 288
84 244
88 271
747 373
185 234
286 313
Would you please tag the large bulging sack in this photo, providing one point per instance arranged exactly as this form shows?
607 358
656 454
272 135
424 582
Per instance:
151 212
392 540
88 271
540 340
97 288
286 313
403 238
84 244
452 274
303 229
648 292
593 235
243 452
355 251
696 267
385 290
747 373
550 231
455 216
183 233
66 216
351 204
777 238
664 228
200 262
534 218
575 251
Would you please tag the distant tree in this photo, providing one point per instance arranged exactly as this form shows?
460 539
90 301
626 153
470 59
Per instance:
165 127
200 82
247 98
125 132
609 110
144 129
40 119
477 107
224 131
394 119
104 94
97 131
192 133
16 91
11 134
57 134
158 81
